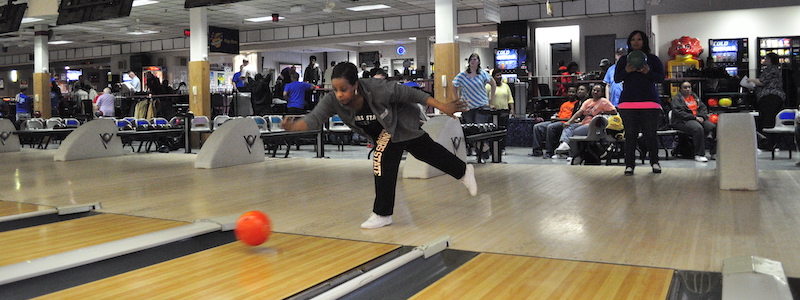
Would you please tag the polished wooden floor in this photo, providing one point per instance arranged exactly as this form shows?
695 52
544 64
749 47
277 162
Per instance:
675 220
497 276
39 241
286 265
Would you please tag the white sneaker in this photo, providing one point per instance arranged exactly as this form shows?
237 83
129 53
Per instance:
699 158
564 147
376 221
569 160
469 180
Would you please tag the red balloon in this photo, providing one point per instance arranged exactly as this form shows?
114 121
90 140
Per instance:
253 228
713 118
713 102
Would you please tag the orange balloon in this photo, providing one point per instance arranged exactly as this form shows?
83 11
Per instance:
713 118
253 228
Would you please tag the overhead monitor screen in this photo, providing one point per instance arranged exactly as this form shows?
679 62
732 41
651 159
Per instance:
11 17
73 75
79 11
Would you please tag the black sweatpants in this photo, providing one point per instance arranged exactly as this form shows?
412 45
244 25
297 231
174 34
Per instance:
768 107
646 122
386 162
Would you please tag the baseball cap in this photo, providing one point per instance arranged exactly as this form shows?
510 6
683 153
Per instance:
605 62
621 51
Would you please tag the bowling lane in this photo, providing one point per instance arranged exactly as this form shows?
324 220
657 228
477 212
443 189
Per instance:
8 208
281 267
34 242
499 276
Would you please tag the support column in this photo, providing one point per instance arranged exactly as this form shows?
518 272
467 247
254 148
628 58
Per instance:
423 56
41 72
199 67
445 51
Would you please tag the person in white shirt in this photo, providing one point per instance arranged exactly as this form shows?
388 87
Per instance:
135 82
248 70
364 73
105 104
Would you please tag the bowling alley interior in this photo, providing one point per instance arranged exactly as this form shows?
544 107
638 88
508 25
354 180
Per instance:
170 162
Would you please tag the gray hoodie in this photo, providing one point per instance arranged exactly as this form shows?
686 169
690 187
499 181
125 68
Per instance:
394 106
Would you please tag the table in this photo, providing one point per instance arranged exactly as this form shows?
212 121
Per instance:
42 137
492 136
148 137
289 137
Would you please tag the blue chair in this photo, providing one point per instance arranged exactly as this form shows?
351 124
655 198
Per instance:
261 122
784 126
275 124
132 120
122 123
71 122
159 121
339 130
142 122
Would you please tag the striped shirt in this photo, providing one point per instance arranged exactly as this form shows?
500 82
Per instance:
472 89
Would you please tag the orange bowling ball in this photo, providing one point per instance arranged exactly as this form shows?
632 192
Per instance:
713 118
253 228
713 102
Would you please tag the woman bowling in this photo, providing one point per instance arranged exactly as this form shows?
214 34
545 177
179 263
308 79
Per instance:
388 114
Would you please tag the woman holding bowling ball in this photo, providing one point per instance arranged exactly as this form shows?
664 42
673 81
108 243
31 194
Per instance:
388 114
639 103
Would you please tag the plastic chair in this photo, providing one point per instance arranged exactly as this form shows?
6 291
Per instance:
142 122
339 129
261 122
784 126
219 120
53 123
201 124
34 124
672 132
336 124
71 122
122 124
597 134
275 124
159 121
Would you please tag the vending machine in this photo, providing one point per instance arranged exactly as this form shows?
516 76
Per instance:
731 55
788 51
786 48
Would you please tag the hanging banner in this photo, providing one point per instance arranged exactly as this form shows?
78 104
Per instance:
223 40
491 11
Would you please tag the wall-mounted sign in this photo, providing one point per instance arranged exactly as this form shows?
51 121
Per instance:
401 50
223 40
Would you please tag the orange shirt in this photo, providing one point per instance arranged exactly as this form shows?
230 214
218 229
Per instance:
692 104
567 108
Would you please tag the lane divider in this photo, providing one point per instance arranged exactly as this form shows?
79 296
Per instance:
425 251
75 258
